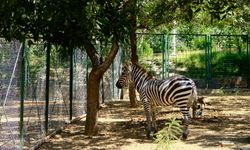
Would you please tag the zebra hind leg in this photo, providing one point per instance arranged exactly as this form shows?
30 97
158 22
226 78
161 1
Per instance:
184 108
186 117
185 127
194 109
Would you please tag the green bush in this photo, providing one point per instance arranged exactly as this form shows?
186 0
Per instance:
222 62
229 63
199 43
166 136
146 50
192 59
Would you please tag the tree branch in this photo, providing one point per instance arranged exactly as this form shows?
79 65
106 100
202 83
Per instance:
109 59
92 53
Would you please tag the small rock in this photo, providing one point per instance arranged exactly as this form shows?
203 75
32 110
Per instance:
226 143
57 136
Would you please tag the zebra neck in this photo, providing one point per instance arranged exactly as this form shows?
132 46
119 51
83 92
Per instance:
139 77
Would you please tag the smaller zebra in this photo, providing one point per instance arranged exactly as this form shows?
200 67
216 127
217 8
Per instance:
176 90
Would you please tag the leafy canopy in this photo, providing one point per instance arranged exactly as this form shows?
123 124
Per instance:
63 22
157 14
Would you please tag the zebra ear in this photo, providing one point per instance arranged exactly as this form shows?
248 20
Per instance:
127 66
128 63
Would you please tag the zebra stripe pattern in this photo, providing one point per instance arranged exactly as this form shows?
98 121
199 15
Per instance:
176 90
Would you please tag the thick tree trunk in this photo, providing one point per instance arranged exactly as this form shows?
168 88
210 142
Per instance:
134 57
95 76
132 95
91 128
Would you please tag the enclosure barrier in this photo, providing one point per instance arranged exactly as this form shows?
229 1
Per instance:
212 61
42 88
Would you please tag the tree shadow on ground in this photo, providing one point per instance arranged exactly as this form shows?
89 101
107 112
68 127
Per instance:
120 125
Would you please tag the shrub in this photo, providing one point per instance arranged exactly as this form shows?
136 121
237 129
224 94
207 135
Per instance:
166 136
147 51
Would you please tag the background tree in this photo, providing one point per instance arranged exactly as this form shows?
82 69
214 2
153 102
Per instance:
159 15
70 24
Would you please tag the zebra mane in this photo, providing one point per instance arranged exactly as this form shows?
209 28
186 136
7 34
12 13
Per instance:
149 75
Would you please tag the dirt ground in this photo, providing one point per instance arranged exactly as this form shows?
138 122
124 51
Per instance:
224 125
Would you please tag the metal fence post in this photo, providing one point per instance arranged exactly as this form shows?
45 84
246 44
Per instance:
71 84
248 57
168 55
47 87
163 56
208 52
22 94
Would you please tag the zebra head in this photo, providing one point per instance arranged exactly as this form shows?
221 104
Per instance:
124 79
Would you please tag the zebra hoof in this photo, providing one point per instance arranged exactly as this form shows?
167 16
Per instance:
185 134
150 135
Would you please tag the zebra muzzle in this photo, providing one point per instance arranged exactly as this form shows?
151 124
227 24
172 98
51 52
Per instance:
118 85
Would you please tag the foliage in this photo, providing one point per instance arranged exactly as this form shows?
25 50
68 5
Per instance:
230 63
164 12
206 17
222 62
200 43
148 44
36 59
4 46
166 136
237 92
63 22
221 91
71 24
191 59
146 50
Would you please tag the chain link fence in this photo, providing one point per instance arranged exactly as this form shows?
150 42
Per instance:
31 106
212 61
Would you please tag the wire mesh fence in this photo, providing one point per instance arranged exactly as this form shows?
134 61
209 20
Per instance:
213 61
9 85
36 100
34 104
229 61
46 105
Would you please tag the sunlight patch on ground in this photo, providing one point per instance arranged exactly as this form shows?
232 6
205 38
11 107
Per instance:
112 120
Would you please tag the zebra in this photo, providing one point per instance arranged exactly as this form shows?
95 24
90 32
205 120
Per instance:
176 90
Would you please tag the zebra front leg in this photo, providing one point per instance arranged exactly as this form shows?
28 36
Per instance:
147 109
154 125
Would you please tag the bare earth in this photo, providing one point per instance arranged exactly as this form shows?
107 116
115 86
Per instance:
225 125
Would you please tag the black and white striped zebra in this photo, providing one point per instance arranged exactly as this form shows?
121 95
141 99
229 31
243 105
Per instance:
177 90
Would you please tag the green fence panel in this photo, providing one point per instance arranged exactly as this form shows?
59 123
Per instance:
228 61
212 61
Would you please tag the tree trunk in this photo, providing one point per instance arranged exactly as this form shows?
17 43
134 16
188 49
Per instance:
91 128
134 57
95 76
132 95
